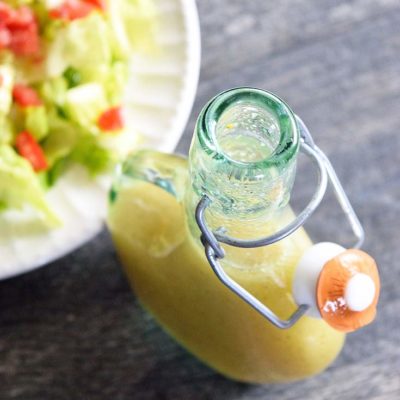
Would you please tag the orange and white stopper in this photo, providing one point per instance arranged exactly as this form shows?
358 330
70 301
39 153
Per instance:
341 286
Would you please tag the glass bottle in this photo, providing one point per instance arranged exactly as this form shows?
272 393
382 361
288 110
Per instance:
243 158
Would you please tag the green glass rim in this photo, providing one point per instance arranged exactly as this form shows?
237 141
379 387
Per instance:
289 140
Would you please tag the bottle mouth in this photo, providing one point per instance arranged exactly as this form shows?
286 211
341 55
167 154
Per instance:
248 127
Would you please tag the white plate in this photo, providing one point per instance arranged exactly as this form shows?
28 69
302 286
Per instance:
159 99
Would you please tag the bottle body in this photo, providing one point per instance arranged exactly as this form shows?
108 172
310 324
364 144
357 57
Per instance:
166 266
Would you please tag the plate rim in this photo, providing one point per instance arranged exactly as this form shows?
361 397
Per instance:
192 24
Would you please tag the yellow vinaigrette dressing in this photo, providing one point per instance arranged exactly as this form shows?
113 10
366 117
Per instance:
243 157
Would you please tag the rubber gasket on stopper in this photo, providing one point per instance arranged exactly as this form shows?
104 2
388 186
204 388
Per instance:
331 290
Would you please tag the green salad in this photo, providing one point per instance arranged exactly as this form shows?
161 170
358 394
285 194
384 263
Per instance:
63 72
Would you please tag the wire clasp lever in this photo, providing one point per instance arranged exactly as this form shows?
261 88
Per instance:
211 240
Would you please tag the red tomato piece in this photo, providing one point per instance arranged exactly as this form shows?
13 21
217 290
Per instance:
71 10
28 148
5 37
6 13
25 96
18 30
25 41
111 120
100 4
21 18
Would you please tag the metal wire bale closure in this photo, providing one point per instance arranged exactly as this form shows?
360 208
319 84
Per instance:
214 251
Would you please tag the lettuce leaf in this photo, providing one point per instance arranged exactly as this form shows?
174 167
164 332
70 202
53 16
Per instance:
61 140
36 122
113 78
80 42
94 157
53 91
19 185
6 130
84 104
132 26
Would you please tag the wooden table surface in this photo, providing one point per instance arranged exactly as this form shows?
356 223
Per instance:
73 330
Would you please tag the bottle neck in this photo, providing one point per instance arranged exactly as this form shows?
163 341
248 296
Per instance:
243 157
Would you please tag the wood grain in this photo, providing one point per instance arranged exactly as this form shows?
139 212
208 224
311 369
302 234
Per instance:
74 331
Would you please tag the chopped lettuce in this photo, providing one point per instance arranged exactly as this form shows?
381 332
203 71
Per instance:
53 91
36 122
139 20
81 42
116 82
72 76
84 104
132 26
19 185
61 140
6 85
6 130
80 72
113 78
55 172
94 157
